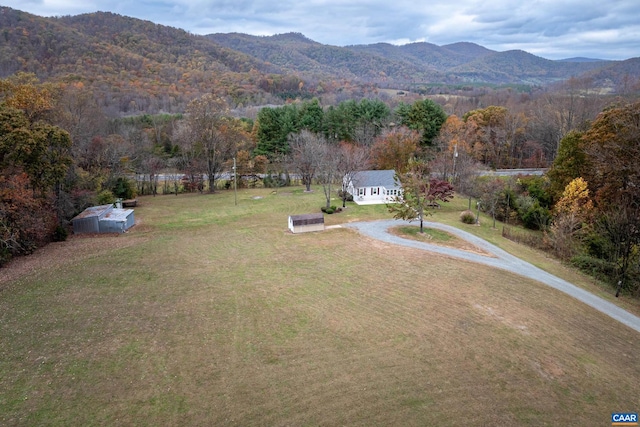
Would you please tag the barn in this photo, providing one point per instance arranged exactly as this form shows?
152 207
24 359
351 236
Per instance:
103 219
306 223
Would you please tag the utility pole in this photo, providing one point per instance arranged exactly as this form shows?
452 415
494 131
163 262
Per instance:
235 183
455 157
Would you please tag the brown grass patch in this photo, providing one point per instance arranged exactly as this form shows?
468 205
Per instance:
236 322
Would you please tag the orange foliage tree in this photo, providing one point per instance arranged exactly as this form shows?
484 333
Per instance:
394 148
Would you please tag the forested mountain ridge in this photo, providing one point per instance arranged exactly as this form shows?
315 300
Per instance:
518 66
134 66
384 63
296 52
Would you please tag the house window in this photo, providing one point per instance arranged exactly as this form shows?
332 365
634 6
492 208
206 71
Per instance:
375 191
362 191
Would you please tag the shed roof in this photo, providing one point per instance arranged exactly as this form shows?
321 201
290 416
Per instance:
117 215
306 219
93 211
377 178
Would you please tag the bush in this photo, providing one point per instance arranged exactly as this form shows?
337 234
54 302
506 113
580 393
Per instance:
468 217
124 189
346 195
329 211
60 234
535 217
5 255
599 268
105 197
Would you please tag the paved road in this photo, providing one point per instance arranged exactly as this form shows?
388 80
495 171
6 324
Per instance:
500 259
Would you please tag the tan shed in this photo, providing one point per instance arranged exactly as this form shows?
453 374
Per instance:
307 222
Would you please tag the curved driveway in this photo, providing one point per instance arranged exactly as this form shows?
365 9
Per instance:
502 260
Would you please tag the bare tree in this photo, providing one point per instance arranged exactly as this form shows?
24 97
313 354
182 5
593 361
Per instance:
328 169
207 118
352 159
307 149
492 191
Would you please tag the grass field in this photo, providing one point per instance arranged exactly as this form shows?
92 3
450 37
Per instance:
207 313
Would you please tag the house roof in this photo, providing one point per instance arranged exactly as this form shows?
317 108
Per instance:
383 178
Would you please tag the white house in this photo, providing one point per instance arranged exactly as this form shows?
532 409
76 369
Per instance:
373 187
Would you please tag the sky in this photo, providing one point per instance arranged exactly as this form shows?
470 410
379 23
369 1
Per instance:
553 29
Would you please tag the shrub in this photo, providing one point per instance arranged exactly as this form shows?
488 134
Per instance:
329 211
599 268
5 255
60 234
346 195
124 188
105 197
537 241
536 217
468 217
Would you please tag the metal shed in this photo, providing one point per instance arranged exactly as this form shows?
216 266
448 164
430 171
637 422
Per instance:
103 219
306 223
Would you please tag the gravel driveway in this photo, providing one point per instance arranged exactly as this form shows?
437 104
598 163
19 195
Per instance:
502 260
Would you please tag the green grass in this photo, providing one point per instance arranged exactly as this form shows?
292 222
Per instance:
208 313
430 234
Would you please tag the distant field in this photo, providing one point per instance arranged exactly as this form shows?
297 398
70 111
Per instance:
208 313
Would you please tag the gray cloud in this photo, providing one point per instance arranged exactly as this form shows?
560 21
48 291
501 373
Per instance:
550 28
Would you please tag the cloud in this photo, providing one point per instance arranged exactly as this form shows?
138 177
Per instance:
549 28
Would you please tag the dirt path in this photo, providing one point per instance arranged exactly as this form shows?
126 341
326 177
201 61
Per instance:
500 259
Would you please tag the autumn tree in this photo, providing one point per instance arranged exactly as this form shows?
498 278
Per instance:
571 216
419 193
38 149
24 92
566 107
611 144
34 158
613 149
207 118
394 148
79 114
570 163
488 126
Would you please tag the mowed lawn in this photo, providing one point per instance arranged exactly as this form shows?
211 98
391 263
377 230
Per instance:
207 313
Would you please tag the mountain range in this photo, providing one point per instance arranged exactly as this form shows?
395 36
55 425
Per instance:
140 66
